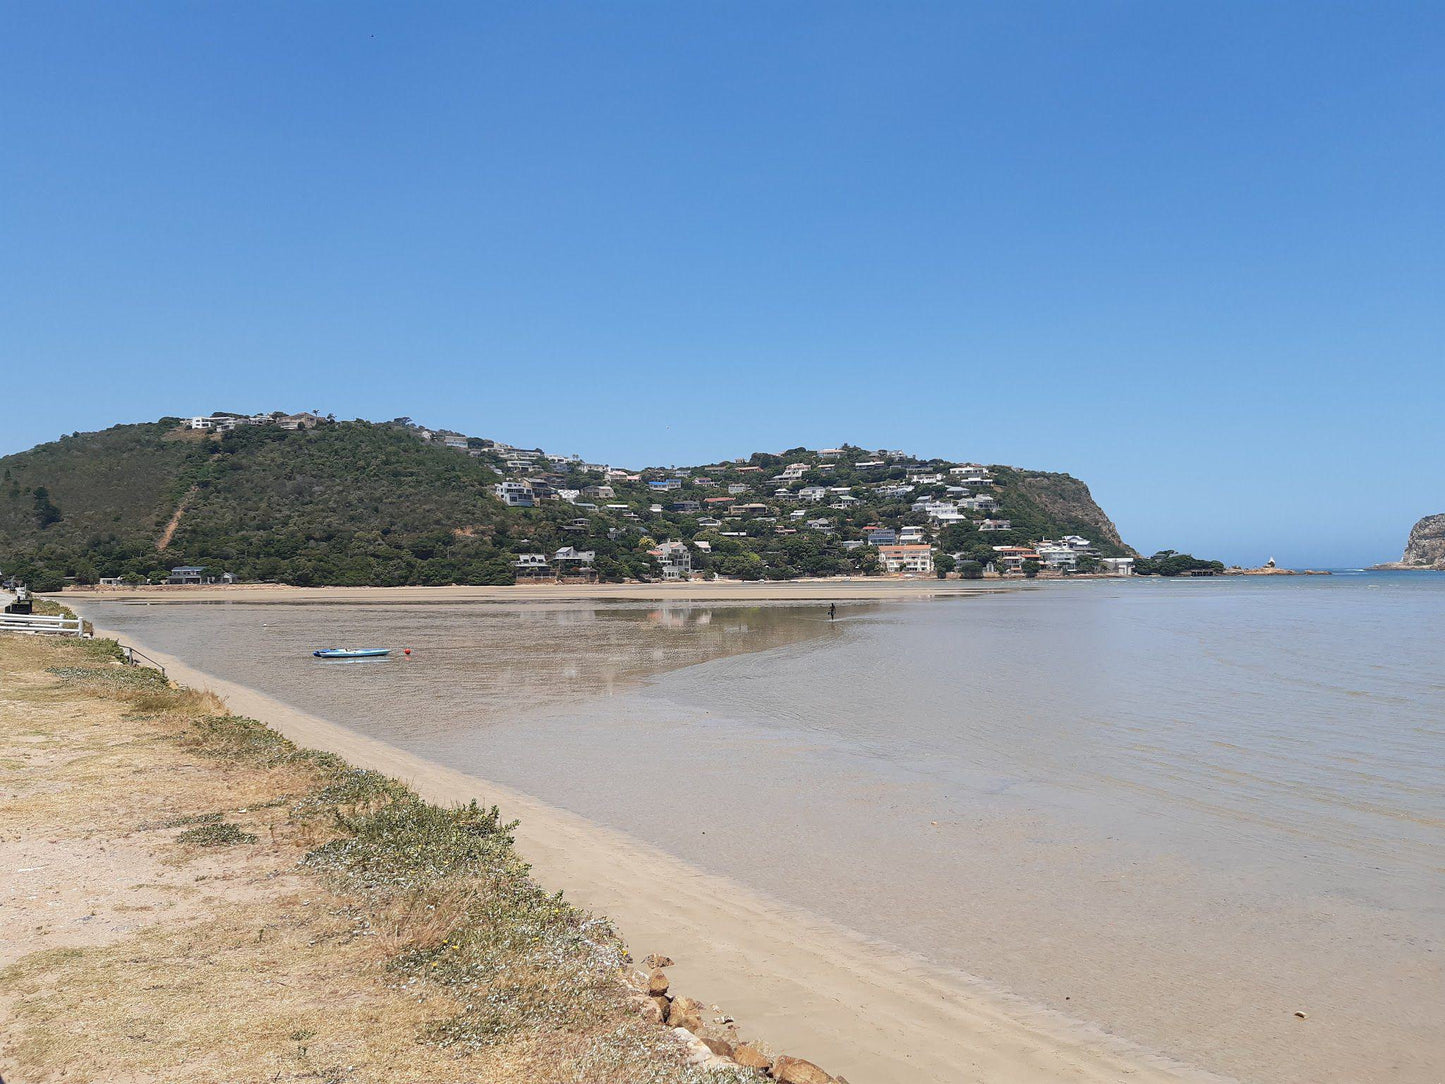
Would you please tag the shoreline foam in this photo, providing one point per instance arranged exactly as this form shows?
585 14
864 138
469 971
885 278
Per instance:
861 1008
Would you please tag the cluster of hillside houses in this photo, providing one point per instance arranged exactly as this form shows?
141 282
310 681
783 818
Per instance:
726 496
189 575
223 421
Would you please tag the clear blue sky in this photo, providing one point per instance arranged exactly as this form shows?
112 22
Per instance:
1191 253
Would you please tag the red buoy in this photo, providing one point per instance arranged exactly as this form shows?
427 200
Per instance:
406 651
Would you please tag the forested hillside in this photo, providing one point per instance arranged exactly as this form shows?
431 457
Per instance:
361 503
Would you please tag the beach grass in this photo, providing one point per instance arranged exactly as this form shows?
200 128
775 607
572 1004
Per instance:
218 903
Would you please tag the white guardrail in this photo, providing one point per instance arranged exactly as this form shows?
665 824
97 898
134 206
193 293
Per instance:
41 624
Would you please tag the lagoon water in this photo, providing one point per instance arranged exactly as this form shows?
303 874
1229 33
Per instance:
1181 811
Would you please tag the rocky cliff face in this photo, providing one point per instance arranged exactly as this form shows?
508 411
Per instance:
1054 504
1426 547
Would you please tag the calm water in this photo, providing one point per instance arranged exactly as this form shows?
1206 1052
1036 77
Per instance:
1178 810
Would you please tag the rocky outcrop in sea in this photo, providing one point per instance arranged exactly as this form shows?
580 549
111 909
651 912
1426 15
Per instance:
1426 545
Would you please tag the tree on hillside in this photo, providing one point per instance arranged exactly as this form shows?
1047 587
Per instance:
45 512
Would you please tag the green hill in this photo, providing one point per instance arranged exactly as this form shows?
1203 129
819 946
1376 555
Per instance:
358 503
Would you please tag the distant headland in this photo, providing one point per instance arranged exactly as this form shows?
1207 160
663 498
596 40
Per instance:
309 500
1425 548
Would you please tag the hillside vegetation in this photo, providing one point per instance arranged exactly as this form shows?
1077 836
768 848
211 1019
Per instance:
362 503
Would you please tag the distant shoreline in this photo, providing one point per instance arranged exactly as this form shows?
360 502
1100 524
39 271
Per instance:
840 589
702 591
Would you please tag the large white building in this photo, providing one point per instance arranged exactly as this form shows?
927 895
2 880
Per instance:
515 494
906 558
674 559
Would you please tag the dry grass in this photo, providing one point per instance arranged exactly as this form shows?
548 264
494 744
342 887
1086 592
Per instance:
207 902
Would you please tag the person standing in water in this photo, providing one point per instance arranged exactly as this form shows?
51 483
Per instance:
832 610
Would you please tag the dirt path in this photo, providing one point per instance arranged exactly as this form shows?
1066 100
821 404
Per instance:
169 531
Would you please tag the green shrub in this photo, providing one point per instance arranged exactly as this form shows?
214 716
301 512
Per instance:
216 835
234 737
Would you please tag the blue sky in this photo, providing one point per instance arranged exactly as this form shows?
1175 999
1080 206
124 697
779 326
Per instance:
1192 254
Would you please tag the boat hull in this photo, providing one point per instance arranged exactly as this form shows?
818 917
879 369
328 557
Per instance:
344 653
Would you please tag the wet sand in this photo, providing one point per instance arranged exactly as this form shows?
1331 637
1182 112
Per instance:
807 986
841 589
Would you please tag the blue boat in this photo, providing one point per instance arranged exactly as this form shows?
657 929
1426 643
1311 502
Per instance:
352 652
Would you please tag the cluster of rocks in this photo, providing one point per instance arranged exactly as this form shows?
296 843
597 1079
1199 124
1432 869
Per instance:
709 1035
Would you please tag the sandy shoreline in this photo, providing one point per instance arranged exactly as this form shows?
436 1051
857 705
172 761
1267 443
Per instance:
761 591
868 1011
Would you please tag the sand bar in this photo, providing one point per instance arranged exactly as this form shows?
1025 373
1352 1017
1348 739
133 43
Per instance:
840 589
807 986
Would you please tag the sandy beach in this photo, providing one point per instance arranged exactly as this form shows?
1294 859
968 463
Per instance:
862 1009
840 589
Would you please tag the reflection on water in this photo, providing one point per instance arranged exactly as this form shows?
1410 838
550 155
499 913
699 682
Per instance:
1178 810
472 664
